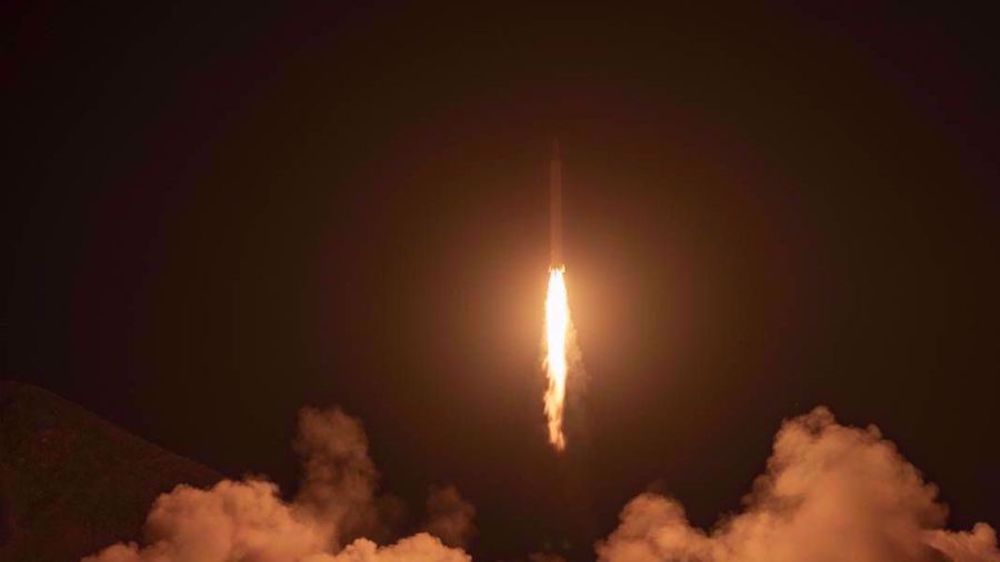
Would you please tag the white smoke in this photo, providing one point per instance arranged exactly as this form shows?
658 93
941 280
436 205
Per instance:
830 493
247 521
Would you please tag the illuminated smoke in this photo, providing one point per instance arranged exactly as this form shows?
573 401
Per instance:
247 521
558 330
339 478
830 493
450 517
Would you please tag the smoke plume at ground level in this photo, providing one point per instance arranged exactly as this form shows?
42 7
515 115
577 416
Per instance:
336 510
829 493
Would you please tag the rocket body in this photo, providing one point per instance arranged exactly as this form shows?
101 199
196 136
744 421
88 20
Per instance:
555 206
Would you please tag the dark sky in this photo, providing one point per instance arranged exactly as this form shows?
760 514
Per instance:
214 216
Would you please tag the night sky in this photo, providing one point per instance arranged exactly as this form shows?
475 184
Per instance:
214 216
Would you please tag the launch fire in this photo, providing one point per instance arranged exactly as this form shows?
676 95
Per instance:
558 327
557 333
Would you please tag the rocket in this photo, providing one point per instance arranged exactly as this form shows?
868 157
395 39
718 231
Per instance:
555 206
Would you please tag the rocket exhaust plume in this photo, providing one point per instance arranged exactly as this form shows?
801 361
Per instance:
558 328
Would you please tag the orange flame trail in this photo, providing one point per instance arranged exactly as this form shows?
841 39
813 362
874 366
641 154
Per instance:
557 331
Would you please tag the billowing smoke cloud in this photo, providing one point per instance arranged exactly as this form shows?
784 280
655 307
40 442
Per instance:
231 521
339 477
418 548
248 521
830 493
450 517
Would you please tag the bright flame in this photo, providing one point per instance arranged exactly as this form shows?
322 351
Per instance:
557 329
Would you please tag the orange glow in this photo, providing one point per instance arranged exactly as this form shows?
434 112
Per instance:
557 331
